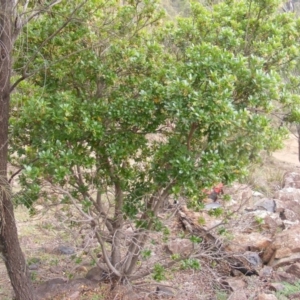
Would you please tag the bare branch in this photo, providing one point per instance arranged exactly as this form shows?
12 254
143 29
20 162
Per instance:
96 203
105 255
74 202
20 170
190 136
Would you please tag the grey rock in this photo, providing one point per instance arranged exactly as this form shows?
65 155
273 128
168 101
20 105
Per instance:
253 258
266 204
34 263
164 291
266 272
34 266
96 274
67 250
213 205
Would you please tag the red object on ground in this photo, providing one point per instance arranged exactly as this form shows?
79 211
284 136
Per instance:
216 190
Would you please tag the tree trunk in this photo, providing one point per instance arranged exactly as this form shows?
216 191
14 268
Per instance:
9 243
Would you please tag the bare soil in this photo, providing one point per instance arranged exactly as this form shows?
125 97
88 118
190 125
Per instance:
289 153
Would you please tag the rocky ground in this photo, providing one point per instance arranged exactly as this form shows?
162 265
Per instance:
251 251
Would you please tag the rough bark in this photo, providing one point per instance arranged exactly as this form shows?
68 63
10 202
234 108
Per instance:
9 243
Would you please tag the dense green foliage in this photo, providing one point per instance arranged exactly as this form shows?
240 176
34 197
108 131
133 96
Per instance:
122 99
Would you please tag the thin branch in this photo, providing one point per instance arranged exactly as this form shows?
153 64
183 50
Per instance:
74 203
20 170
79 179
21 21
105 255
163 197
191 133
36 13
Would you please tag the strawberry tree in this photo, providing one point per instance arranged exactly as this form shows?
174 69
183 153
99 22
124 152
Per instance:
126 108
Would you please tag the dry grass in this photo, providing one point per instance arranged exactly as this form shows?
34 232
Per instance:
268 176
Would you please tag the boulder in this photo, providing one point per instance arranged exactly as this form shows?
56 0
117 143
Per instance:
294 269
183 247
272 224
234 284
288 215
283 252
289 210
276 286
266 272
289 240
253 258
253 241
268 254
287 194
265 220
264 296
281 276
291 179
238 295
285 261
288 224
265 204
285 248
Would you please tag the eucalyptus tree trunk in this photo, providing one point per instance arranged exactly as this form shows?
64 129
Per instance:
9 244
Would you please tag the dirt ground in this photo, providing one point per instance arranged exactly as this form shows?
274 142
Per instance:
289 153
